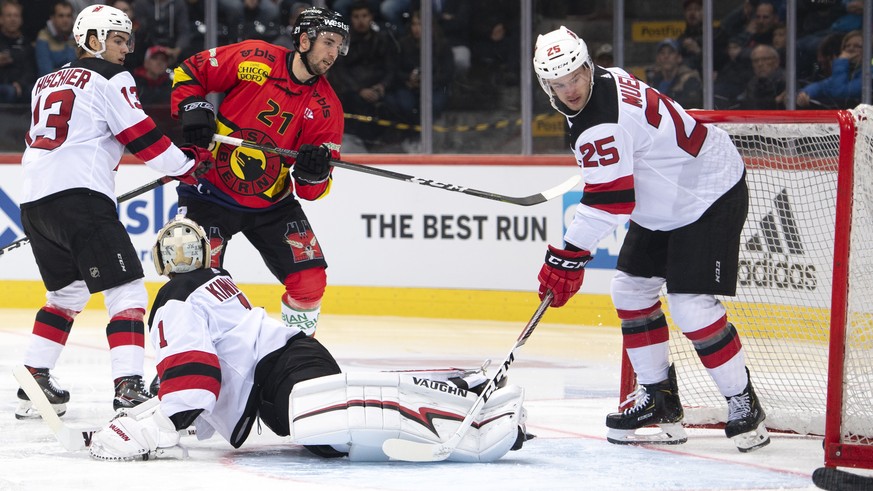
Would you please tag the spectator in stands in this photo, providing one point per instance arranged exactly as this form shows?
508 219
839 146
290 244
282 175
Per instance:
828 51
454 17
760 29
402 101
780 41
289 11
843 88
495 51
363 77
153 83
34 14
691 40
847 17
737 20
166 23
766 90
731 79
603 56
258 20
141 40
54 45
17 67
673 79
263 11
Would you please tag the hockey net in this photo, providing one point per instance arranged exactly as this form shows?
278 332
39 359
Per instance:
804 304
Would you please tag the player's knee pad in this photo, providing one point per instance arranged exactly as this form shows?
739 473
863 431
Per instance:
71 298
694 312
131 295
357 412
634 292
301 303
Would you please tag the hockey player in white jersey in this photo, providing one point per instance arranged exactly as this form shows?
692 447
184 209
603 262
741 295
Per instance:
84 115
223 364
682 185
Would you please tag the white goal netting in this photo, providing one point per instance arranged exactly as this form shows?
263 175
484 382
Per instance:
784 304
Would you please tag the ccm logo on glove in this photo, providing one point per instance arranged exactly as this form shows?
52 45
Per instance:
562 274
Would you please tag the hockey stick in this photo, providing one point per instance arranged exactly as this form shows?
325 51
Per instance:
410 451
835 479
124 197
533 199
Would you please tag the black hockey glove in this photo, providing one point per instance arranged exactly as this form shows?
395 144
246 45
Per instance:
313 164
198 121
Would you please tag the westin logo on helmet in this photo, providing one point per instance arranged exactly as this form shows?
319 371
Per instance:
780 262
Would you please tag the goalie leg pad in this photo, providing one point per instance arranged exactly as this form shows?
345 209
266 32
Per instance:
357 412
128 438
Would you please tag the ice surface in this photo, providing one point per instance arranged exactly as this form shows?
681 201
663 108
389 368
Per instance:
571 380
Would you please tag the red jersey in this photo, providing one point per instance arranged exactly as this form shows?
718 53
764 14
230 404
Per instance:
264 104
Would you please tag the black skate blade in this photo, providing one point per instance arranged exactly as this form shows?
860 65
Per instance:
833 479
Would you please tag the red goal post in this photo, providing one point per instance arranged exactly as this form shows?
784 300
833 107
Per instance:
804 304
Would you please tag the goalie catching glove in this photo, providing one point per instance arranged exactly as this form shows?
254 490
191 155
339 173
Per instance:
562 273
312 165
202 162
197 116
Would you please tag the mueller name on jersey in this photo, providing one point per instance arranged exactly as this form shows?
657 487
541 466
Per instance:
77 77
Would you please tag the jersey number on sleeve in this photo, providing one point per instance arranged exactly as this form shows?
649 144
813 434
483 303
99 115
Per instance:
58 119
600 148
690 144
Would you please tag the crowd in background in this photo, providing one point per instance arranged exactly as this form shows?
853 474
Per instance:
749 56
476 52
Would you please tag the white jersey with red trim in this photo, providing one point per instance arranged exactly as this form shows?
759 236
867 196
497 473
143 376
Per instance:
83 117
644 158
208 341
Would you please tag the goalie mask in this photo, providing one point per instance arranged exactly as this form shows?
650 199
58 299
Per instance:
181 247
101 19
557 54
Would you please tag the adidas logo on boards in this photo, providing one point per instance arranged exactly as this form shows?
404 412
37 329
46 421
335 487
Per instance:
777 251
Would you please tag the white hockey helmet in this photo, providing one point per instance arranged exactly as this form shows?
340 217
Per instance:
102 19
181 247
558 53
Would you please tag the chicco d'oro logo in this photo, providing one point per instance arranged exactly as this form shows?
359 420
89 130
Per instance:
246 171
780 263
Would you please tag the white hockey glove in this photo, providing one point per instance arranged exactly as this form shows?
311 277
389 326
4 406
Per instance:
126 438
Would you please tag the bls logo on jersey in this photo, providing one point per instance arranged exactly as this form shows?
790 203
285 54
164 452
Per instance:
777 251
11 214
606 254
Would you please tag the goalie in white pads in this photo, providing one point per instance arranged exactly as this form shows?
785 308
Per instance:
682 186
223 364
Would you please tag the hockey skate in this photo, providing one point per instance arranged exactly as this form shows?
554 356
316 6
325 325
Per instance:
57 397
745 424
130 391
653 405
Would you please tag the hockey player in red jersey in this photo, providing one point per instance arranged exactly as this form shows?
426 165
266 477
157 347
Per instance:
224 364
84 116
682 185
274 97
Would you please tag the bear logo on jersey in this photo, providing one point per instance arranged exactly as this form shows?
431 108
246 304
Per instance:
251 172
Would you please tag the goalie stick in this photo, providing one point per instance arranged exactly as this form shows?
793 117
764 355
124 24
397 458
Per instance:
124 197
410 451
834 479
533 199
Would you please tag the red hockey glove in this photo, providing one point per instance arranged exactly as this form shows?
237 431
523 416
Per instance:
562 274
202 162
198 121
313 164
